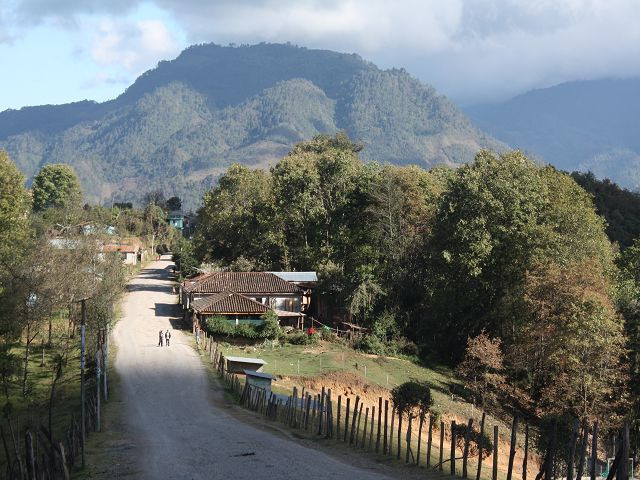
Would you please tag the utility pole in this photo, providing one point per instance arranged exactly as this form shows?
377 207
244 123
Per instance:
98 347
82 348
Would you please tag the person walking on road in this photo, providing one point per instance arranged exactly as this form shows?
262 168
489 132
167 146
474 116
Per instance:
167 337
160 338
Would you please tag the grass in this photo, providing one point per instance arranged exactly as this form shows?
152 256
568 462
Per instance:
350 372
387 372
31 410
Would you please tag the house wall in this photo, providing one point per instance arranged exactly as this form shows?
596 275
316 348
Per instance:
130 258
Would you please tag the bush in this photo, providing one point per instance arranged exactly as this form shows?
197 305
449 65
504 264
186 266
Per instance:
329 335
301 338
403 346
221 326
474 441
371 344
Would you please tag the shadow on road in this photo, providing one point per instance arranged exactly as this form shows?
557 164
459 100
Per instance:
166 310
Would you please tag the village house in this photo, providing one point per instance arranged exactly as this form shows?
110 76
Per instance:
131 250
244 297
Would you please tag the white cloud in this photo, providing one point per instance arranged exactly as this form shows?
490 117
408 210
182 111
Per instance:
132 46
470 49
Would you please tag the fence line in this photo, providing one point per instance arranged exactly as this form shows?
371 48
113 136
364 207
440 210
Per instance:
315 414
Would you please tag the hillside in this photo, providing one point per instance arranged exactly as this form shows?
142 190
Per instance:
180 124
585 125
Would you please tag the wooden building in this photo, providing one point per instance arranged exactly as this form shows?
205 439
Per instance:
252 293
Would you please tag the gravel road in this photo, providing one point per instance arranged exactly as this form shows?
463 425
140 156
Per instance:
178 418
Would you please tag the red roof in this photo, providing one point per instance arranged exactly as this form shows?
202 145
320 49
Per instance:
241 282
228 302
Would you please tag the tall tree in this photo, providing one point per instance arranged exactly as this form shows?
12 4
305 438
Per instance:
56 185
498 217
15 204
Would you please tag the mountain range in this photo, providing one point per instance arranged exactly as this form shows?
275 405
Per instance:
179 125
583 125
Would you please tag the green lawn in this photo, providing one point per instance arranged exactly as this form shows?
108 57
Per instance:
347 370
387 372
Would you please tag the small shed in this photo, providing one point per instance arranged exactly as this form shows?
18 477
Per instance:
240 364
259 379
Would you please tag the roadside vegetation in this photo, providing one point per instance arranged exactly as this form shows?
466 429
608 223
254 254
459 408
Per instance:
52 261
501 270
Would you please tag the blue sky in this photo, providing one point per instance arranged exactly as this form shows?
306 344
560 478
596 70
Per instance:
57 51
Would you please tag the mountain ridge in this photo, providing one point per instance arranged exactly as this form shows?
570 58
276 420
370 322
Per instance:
179 124
587 125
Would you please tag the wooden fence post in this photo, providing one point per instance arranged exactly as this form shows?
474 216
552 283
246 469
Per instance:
494 472
594 450
399 433
429 440
551 454
481 446
346 419
526 452
420 425
353 421
583 450
358 427
321 412
386 416
329 415
465 452
572 449
453 447
338 419
31 465
512 448
373 414
624 463
379 424
410 421
441 446
366 423
393 421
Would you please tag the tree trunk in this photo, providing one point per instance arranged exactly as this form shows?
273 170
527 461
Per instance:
26 362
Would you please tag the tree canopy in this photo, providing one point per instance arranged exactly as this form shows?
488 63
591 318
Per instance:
57 186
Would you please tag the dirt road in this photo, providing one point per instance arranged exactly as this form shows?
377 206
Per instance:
180 424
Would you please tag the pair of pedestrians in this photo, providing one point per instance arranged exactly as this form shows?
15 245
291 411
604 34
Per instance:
164 337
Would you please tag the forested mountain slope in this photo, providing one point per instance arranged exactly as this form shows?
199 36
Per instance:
180 124
584 125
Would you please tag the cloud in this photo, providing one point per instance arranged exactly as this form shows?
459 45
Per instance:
132 46
470 49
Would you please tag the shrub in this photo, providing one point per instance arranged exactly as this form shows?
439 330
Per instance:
221 326
371 344
329 335
412 395
301 338
474 441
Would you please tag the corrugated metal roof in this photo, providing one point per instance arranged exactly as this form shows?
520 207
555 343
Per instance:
246 360
228 302
242 282
297 276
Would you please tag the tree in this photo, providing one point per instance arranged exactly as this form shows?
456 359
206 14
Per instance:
183 256
482 369
174 203
154 197
15 204
572 347
237 219
497 218
407 398
56 186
